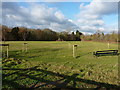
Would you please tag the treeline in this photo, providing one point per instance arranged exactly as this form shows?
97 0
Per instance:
26 34
100 36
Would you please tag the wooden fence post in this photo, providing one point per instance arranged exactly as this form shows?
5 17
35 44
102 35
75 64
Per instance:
25 49
6 45
7 51
74 50
108 46
26 46
69 45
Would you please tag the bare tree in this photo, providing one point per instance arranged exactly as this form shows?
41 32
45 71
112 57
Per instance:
4 33
23 31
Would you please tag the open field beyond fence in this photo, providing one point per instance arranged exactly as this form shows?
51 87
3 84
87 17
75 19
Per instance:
50 64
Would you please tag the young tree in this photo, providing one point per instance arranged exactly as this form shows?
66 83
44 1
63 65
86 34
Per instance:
78 34
4 33
73 36
23 32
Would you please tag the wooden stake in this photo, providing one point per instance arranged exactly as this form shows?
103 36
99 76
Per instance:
6 45
69 45
26 47
73 51
74 46
7 51
108 45
23 47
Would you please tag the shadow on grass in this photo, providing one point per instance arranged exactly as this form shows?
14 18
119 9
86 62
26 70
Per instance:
20 54
106 54
62 82
44 50
83 55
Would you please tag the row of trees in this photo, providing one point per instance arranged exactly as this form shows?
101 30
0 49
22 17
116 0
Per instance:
100 36
23 34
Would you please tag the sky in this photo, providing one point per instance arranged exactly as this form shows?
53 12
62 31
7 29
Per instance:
87 17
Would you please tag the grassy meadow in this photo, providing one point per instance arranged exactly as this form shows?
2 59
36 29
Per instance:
50 64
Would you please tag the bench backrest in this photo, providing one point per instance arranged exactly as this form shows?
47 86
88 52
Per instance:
107 51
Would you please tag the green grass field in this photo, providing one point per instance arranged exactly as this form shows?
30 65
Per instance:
50 64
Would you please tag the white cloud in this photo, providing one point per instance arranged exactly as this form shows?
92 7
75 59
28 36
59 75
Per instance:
101 8
91 15
110 28
35 16
59 15
41 16
57 0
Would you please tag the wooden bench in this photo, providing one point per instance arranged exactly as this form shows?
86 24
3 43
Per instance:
106 53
